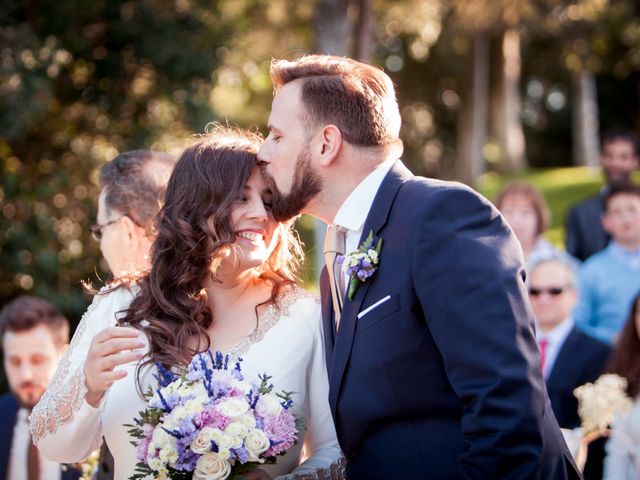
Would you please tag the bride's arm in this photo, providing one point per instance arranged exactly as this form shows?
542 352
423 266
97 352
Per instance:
63 425
323 456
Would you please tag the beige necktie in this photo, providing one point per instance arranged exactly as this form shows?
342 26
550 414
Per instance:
333 247
33 461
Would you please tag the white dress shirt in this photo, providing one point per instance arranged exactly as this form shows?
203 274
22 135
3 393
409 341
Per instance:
354 210
19 452
555 339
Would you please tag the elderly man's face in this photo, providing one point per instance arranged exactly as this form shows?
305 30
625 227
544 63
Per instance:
552 294
30 360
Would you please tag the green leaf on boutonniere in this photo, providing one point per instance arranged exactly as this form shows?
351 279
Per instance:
362 264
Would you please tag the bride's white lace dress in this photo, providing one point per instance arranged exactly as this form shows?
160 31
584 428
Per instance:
288 344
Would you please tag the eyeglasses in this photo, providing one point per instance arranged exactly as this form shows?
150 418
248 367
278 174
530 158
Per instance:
553 291
96 230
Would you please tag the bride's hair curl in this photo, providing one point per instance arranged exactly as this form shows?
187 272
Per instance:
194 232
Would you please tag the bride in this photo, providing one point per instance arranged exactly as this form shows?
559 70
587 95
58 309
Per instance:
221 278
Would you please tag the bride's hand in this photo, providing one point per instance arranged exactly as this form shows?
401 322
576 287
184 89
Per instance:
256 475
110 348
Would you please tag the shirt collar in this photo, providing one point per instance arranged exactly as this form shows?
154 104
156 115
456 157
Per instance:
631 257
354 210
557 334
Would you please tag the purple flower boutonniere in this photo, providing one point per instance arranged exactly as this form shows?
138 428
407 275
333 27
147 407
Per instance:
361 264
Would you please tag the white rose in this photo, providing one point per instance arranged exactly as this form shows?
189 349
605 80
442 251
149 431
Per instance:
202 443
211 467
268 406
248 420
160 438
256 443
373 255
233 407
237 429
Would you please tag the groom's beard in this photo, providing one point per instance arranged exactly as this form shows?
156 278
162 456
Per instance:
305 185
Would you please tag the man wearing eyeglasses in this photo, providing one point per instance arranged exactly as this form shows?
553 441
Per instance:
131 186
131 189
569 357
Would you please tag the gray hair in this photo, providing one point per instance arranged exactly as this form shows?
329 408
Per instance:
134 184
569 263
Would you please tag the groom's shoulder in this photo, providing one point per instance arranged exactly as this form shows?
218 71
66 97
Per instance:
430 192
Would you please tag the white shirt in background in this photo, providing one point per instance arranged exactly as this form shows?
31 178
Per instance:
19 452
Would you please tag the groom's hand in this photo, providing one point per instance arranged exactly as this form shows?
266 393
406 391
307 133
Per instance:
112 347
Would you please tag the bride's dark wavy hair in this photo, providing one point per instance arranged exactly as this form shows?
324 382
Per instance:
194 234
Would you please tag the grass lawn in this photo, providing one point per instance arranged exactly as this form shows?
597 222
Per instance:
561 187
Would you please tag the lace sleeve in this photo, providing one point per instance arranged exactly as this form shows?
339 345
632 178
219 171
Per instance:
336 471
63 425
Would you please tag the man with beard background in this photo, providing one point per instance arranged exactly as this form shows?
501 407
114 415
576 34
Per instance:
434 371
34 336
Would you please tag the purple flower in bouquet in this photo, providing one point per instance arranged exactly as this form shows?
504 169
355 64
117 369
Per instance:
211 423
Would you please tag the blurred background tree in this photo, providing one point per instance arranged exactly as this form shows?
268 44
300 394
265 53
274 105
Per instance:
485 87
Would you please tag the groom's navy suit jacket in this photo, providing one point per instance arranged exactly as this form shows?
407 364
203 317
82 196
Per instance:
443 379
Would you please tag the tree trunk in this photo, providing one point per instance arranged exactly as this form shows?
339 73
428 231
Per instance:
363 38
507 126
586 148
473 119
332 27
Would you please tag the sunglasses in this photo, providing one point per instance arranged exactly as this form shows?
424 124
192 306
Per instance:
553 291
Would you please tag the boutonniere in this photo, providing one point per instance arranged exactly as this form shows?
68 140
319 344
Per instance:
361 264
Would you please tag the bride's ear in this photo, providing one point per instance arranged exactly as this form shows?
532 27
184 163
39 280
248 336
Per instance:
330 143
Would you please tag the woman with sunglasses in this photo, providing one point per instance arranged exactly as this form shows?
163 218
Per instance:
221 278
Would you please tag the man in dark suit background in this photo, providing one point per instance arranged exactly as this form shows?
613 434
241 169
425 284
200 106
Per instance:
34 337
618 158
433 366
570 358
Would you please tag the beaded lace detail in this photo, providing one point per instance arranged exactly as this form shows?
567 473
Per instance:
336 471
270 317
62 399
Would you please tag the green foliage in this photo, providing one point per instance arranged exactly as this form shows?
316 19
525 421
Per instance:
80 82
561 187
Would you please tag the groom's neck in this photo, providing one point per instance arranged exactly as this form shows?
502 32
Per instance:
341 178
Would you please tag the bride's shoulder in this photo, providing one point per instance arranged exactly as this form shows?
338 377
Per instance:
109 301
299 303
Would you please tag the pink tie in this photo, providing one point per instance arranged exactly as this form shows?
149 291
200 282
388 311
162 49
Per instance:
542 344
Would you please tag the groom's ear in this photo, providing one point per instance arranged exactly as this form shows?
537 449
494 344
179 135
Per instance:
330 142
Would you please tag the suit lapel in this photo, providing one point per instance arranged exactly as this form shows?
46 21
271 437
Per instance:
564 361
376 219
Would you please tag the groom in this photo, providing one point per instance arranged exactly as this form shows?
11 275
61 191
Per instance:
433 366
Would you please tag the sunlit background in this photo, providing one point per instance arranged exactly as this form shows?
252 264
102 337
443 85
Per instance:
489 90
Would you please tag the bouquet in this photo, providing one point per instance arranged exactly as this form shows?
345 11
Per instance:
211 423
601 402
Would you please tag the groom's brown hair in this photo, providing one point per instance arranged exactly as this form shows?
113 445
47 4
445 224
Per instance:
356 97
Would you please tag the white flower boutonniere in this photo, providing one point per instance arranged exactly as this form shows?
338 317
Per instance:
361 264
